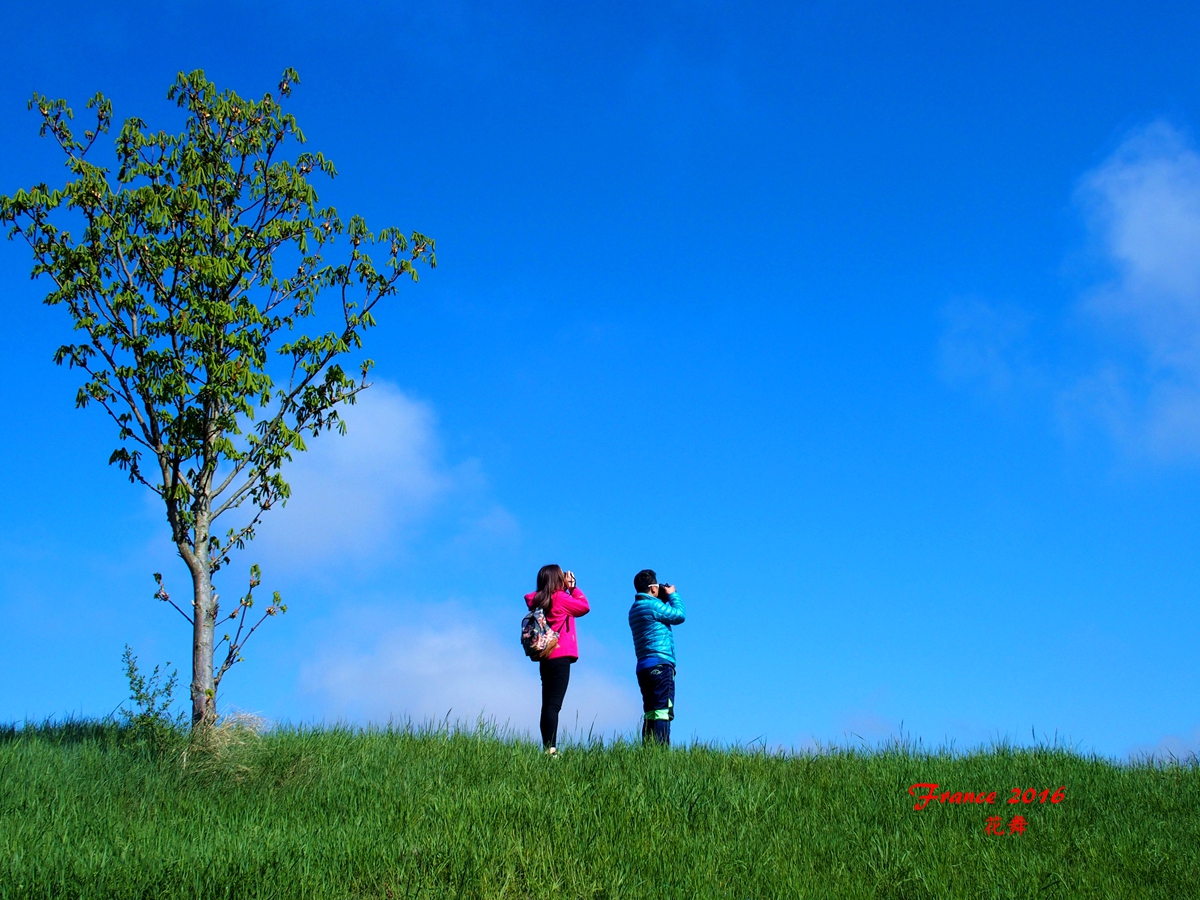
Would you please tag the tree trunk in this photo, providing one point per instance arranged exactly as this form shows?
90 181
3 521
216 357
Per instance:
204 689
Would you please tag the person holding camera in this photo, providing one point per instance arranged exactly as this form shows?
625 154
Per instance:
562 602
655 609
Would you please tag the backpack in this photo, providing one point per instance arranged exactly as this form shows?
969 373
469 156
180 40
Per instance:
537 637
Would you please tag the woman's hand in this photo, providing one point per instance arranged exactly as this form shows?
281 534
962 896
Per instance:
570 578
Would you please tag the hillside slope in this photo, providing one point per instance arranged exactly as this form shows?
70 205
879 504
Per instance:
87 810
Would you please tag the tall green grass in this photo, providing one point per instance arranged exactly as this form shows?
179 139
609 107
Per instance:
88 810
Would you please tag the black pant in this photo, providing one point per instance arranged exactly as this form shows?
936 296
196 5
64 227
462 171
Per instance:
658 702
555 675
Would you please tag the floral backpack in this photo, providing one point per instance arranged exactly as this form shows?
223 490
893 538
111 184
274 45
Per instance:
537 637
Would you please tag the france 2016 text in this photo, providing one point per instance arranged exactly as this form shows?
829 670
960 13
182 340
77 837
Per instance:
1019 795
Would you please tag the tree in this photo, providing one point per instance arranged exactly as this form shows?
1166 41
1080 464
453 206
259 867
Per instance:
189 337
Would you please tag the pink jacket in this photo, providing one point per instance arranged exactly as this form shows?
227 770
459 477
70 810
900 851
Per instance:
564 610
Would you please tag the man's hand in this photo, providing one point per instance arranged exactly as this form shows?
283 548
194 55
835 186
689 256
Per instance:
666 590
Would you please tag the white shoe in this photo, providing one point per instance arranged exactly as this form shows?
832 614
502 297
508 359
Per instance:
552 751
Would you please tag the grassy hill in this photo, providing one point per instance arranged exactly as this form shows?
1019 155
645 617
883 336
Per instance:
92 810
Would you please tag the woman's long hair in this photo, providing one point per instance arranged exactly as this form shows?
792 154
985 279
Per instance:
550 579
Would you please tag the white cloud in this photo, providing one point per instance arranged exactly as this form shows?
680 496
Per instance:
356 495
451 664
1137 372
1143 209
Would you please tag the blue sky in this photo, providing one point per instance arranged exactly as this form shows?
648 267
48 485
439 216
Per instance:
874 326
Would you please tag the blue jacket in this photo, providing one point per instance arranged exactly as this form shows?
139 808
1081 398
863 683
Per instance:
650 620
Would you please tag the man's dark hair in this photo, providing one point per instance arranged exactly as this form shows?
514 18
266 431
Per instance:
643 579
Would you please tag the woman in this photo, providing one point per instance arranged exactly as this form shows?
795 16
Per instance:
562 602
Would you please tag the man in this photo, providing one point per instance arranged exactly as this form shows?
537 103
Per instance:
655 609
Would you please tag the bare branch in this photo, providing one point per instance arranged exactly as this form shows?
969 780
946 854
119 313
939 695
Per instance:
162 594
